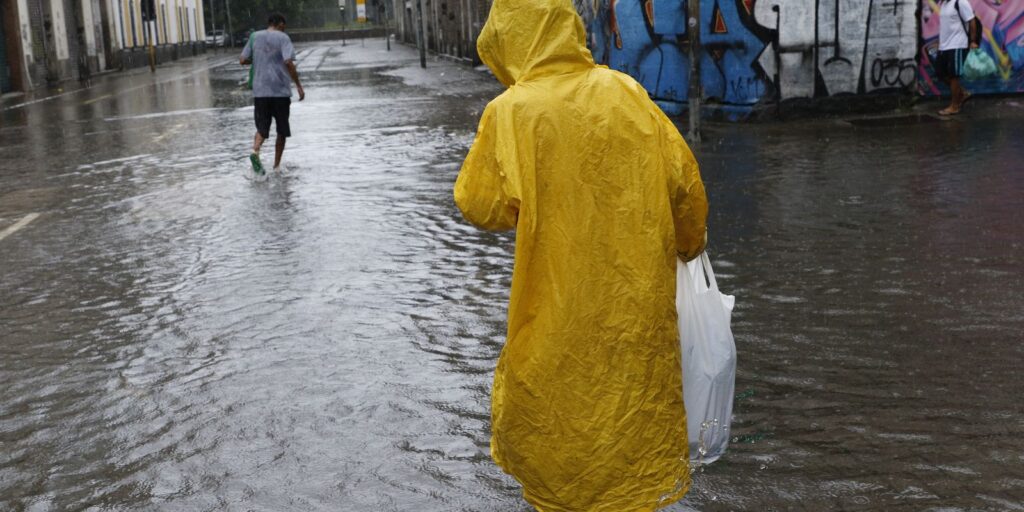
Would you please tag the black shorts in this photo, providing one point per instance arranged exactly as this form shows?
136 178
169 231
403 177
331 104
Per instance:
277 109
950 63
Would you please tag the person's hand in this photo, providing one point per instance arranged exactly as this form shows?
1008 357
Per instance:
974 46
302 94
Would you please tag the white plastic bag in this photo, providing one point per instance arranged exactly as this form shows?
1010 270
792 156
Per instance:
709 358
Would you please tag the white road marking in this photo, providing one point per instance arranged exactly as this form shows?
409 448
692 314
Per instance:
172 131
94 100
40 100
18 225
120 160
155 115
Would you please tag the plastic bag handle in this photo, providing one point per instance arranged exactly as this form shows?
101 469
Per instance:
709 274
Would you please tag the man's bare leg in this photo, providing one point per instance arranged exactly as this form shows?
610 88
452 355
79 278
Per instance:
956 99
257 143
958 94
279 150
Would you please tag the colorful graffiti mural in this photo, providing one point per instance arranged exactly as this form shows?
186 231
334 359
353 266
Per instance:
648 39
759 49
1003 40
765 50
733 43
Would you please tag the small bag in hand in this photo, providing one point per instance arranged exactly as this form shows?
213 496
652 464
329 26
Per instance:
709 358
979 65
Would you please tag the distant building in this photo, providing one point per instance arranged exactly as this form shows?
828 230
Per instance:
451 26
48 41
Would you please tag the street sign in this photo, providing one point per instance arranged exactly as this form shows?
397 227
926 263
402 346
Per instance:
361 11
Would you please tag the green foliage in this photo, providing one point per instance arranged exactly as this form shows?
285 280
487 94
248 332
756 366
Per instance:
252 14
299 12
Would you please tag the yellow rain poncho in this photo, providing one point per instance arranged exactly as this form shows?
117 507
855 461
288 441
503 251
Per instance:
604 195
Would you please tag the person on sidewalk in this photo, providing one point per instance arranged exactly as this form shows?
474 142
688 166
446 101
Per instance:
272 55
604 194
954 41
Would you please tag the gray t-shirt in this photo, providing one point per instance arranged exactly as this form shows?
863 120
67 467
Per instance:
269 50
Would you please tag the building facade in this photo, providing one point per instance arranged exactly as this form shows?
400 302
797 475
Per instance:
452 26
48 41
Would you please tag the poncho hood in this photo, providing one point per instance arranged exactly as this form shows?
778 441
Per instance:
530 39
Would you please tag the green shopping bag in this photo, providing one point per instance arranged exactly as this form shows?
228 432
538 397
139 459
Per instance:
979 65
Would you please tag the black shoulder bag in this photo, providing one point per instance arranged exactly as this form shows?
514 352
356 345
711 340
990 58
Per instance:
967 24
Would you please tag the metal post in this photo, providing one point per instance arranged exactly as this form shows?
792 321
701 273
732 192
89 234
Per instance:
147 32
693 32
230 35
465 36
421 29
387 36
778 62
438 34
213 22
46 49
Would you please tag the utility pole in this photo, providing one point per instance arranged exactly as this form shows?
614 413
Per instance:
696 91
421 29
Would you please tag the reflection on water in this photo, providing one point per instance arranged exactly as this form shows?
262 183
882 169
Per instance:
178 337
878 319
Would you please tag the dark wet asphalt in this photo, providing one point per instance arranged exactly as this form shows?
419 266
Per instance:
177 337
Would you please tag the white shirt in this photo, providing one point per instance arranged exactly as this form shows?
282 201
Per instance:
952 35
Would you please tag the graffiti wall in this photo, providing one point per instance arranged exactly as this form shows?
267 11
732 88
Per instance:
733 42
830 47
755 51
1003 40
648 39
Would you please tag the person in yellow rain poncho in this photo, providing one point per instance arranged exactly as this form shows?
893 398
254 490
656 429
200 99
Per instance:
604 195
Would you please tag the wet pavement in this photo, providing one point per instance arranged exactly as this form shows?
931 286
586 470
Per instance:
174 336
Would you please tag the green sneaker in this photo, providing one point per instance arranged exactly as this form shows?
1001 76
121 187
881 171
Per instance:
257 166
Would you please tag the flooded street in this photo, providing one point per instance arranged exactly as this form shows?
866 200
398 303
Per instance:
174 336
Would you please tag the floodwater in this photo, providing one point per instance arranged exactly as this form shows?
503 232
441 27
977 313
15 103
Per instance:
174 336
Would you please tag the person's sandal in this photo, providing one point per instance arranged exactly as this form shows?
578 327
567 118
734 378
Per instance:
948 112
257 166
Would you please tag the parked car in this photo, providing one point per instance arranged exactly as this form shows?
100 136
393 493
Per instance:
242 37
216 38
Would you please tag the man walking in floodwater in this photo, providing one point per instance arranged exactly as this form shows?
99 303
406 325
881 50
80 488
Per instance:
955 42
272 55
604 195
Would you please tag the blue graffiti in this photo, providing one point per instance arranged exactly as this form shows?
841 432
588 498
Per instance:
648 40
729 72
647 45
